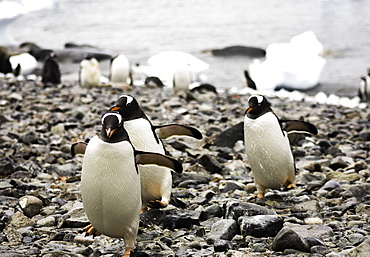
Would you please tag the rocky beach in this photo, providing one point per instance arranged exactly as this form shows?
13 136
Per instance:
41 212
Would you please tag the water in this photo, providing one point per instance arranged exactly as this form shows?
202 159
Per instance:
142 28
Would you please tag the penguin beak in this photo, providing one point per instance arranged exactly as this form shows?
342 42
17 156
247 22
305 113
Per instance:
109 132
115 108
249 110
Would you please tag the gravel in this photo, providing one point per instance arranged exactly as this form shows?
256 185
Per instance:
41 211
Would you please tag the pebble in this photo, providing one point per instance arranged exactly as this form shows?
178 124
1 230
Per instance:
41 212
30 205
260 225
288 239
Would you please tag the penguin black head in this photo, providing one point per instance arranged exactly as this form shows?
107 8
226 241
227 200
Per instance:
113 130
128 107
258 105
88 56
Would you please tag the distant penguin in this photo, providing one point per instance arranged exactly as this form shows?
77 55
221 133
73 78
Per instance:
50 71
153 82
24 63
203 93
5 65
89 74
120 71
248 81
364 89
204 88
181 80
110 181
267 146
156 181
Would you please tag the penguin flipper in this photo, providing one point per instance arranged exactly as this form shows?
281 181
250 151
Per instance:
78 148
298 126
166 131
147 158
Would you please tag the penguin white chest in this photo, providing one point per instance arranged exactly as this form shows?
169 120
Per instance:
90 73
110 186
268 151
120 69
142 136
181 79
156 181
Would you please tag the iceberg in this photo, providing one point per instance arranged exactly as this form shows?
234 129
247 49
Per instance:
296 65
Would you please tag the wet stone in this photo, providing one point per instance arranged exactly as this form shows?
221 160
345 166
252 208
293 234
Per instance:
30 205
212 211
224 229
288 239
222 245
260 225
236 209
210 164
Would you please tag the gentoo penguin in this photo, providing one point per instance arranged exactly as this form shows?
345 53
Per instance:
204 88
120 71
25 63
50 71
364 90
181 80
153 82
110 181
156 181
267 146
89 75
248 81
5 65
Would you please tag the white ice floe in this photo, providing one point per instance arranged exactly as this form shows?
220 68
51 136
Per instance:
295 65
164 64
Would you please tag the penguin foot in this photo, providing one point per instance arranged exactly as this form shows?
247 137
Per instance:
260 195
290 185
90 230
127 252
144 210
156 204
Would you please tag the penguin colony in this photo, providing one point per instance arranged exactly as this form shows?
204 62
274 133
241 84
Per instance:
125 170
126 127
129 148
25 61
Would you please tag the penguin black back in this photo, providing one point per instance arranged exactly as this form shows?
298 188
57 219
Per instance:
153 82
5 66
50 71
258 105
